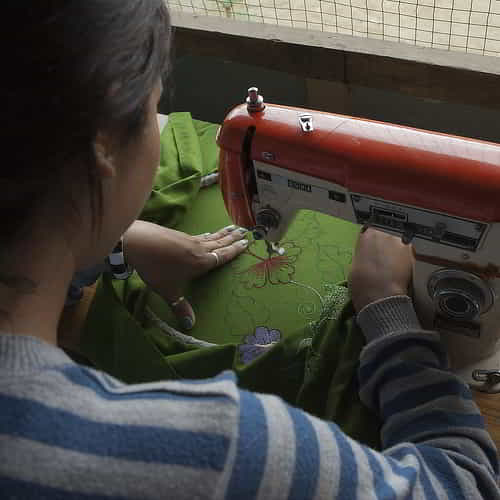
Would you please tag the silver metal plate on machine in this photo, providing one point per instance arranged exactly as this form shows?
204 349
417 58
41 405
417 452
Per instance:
433 226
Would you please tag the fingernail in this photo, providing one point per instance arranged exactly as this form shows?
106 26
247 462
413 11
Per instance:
242 230
243 243
230 228
204 235
187 322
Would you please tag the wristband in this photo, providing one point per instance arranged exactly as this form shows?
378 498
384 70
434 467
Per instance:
116 260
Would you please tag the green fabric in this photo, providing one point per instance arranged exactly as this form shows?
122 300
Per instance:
289 300
182 164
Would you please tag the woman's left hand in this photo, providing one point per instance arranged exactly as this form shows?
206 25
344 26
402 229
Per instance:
167 259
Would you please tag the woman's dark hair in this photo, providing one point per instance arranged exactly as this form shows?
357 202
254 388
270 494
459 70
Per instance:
71 68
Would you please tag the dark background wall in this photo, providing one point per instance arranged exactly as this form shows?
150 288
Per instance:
209 88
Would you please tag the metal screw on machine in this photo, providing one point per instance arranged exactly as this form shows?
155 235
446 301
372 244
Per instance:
255 102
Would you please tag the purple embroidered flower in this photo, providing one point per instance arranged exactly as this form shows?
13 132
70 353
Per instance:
258 343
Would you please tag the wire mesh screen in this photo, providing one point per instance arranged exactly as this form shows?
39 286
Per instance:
460 25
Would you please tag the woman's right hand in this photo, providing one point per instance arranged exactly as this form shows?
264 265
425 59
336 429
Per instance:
382 267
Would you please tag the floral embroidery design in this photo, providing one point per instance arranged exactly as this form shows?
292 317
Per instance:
258 343
278 270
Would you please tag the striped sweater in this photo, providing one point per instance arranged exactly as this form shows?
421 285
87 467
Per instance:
67 431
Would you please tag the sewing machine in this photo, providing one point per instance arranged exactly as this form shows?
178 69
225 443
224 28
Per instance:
440 193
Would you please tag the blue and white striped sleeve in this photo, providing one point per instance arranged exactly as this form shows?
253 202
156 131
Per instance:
434 441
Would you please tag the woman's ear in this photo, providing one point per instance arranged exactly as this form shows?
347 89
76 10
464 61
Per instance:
106 166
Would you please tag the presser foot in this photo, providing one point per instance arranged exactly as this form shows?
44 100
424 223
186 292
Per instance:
274 248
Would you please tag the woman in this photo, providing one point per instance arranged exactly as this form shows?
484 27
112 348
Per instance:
81 144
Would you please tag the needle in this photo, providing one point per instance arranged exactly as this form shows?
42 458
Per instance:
269 248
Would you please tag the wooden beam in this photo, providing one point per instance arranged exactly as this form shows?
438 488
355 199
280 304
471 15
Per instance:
417 71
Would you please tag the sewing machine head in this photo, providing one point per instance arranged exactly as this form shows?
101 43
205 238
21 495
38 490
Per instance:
438 192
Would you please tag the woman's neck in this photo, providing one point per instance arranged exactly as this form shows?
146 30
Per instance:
33 294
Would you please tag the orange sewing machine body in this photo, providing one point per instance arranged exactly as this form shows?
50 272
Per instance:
440 193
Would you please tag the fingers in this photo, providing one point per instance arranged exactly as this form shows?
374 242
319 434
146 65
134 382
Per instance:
370 237
222 238
217 249
183 312
225 254
218 234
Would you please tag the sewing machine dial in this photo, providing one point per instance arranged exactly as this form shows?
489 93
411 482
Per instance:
459 294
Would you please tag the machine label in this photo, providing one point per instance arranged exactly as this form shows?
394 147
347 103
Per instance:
300 186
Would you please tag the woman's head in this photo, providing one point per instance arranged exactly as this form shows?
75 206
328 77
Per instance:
79 92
